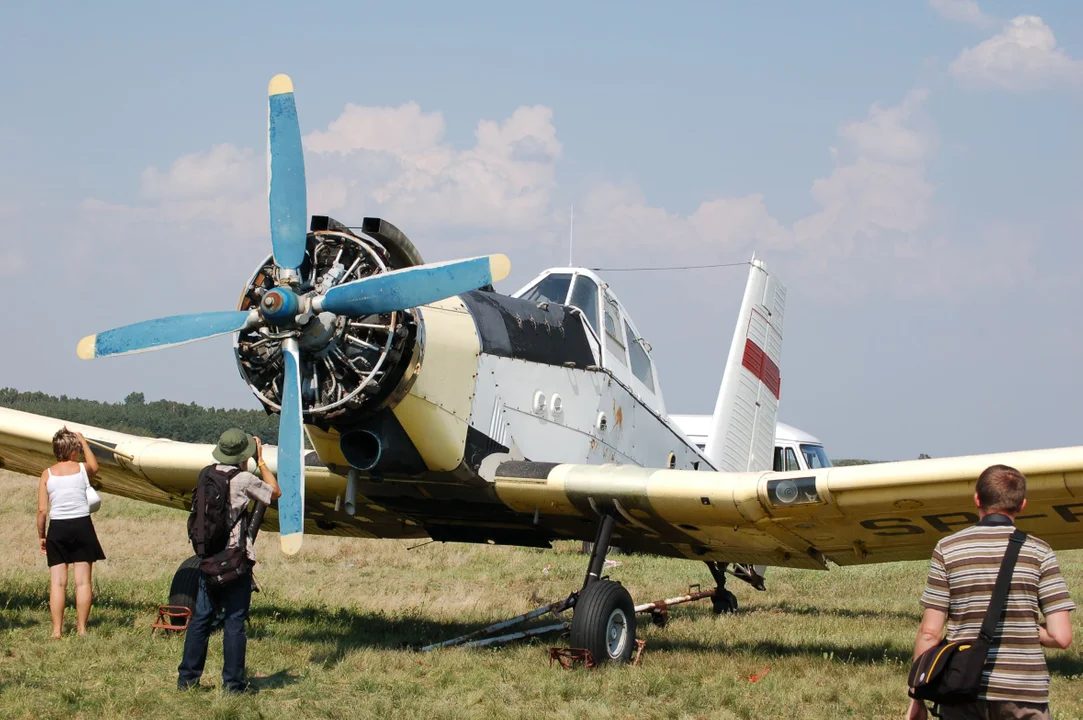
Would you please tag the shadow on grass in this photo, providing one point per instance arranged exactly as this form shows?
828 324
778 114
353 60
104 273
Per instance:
877 654
792 609
106 611
346 630
280 679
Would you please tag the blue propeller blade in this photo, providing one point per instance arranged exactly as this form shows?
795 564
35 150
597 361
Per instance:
164 332
286 176
413 286
291 473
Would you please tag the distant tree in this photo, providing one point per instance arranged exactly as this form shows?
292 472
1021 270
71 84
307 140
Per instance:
135 416
923 456
852 461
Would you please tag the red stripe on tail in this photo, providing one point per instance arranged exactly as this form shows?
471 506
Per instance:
763 367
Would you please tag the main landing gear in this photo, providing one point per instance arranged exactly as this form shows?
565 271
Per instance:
604 616
604 619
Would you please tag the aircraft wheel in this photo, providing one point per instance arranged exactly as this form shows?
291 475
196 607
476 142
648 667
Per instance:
185 587
604 622
724 602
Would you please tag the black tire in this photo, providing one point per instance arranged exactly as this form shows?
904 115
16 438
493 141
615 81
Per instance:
724 602
604 622
185 587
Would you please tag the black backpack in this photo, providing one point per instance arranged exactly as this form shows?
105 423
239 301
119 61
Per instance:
208 523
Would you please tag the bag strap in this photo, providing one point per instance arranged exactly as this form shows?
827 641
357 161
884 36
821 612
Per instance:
1004 581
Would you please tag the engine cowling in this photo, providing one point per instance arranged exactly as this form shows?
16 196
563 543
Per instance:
350 367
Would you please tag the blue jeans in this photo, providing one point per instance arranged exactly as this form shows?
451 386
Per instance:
234 599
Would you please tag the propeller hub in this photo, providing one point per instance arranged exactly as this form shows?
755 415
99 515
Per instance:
280 306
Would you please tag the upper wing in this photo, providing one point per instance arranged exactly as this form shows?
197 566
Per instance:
164 472
849 515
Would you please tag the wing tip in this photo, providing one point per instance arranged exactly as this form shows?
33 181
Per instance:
280 85
499 267
85 348
291 544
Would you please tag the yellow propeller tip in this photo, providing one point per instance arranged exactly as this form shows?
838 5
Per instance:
280 84
85 348
291 544
499 267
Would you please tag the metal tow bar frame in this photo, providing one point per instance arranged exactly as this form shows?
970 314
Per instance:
478 637
659 609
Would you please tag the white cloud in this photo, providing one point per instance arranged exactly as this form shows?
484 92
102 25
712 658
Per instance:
401 131
222 170
371 160
878 186
1023 56
505 182
964 11
875 206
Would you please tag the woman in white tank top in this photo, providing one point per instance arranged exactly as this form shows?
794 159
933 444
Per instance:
71 540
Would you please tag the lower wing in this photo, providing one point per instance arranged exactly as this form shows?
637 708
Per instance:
849 515
164 472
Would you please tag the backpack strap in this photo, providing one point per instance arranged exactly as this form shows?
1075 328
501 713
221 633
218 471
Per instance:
1000 592
243 515
201 512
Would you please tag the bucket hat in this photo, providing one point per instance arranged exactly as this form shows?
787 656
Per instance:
234 447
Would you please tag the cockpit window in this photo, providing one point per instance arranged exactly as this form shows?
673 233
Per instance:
791 460
551 288
614 339
641 362
585 297
815 457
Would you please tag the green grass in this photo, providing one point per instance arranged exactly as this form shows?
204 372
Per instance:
328 634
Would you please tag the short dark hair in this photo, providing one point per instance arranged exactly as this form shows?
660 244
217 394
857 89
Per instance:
1001 488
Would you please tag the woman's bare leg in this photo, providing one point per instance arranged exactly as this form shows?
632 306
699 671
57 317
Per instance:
84 593
58 588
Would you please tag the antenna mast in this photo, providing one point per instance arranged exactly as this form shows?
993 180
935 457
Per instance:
571 234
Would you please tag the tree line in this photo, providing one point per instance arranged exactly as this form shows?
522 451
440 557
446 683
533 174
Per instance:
186 422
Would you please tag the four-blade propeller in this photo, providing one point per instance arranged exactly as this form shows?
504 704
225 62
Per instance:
286 310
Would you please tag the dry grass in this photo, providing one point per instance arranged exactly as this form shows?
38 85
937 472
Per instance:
327 635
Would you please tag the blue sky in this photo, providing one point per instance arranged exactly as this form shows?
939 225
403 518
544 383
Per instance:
912 172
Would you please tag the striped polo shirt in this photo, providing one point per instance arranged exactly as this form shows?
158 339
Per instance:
962 574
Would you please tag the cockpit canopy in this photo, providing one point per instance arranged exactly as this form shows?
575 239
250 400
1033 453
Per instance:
616 344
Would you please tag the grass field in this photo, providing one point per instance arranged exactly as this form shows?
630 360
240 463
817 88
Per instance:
328 634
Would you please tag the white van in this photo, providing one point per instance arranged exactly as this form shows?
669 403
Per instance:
794 449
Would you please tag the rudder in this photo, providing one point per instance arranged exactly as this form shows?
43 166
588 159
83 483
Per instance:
742 432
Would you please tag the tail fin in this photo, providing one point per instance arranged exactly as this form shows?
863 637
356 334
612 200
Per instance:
742 433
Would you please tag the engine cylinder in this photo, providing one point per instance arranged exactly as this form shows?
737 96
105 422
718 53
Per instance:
350 367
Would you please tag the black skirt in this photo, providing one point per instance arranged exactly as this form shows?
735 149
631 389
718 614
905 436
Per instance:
72 541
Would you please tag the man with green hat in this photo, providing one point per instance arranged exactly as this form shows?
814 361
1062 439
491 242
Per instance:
235 448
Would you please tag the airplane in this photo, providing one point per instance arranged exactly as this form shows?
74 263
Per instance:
794 449
439 408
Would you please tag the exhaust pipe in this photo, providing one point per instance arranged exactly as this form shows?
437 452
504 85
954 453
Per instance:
351 491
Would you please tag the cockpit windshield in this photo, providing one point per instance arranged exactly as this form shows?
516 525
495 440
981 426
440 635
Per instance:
551 288
815 457
585 297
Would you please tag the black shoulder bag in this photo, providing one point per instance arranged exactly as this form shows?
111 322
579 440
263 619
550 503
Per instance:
951 672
